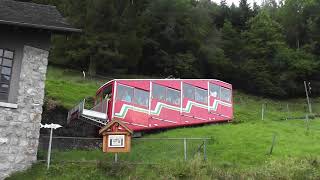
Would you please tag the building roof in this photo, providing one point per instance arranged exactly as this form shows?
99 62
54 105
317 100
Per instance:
26 14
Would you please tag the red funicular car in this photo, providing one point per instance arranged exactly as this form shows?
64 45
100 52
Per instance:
145 104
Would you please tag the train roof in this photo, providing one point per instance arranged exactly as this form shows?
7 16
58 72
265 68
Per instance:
225 84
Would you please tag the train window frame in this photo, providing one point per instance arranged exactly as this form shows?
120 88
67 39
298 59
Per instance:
218 96
156 97
135 100
184 85
178 102
229 95
118 98
106 91
98 98
205 93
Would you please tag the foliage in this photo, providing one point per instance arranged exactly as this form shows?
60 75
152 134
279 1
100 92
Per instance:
272 47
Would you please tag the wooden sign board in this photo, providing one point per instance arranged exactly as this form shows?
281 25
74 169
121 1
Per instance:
116 137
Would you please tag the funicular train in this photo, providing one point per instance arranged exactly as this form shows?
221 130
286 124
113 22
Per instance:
146 104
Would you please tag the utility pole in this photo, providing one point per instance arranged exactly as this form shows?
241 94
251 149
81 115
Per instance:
308 100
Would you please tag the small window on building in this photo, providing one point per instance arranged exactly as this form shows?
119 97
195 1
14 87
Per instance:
214 90
141 97
188 91
158 92
125 93
201 95
173 96
225 94
6 63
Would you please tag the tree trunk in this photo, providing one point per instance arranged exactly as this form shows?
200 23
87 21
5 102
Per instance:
92 67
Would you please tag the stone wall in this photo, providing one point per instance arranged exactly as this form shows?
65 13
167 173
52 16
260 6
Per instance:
19 128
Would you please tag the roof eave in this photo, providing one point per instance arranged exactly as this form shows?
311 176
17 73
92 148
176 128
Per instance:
55 29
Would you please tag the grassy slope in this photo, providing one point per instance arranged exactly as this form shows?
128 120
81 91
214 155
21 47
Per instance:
240 147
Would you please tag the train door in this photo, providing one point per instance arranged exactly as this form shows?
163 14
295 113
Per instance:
172 110
107 100
194 104
226 103
140 116
103 101
214 98
123 105
158 103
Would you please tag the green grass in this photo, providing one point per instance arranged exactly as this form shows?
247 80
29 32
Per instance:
68 87
238 150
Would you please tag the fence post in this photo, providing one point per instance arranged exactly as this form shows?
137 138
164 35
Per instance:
262 112
273 143
205 149
49 150
307 121
288 112
307 95
185 148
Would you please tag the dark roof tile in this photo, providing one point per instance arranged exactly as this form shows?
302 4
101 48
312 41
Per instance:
33 15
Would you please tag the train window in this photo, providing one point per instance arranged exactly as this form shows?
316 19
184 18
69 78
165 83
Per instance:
225 94
125 93
98 98
159 92
201 95
173 96
107 93
141 97
214 90
188 91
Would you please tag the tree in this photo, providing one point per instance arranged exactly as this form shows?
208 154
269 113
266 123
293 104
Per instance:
245 13
293 20
231 42
223 14
263 40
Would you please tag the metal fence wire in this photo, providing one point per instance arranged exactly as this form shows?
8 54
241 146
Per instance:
143 150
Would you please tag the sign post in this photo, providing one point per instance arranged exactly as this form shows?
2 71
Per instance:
116 138
50 126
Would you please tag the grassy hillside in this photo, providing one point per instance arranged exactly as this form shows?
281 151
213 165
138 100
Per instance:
236 150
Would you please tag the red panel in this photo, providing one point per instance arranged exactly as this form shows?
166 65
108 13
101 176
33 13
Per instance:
140 119
220 83
141 84
199 83
175 84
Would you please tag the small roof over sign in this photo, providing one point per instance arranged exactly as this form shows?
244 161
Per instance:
32 15
110 126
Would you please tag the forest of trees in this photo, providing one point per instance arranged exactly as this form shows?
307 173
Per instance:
267 50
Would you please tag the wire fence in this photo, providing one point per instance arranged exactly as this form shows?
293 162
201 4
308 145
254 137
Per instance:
143 150
275 110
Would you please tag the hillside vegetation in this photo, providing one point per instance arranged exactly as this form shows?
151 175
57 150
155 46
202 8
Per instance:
237 150
264 49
